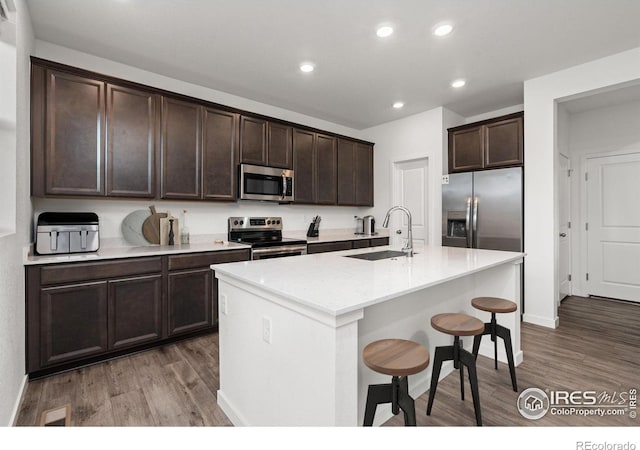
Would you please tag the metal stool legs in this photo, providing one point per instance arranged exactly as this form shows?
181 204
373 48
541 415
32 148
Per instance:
460 358
498 331
396 393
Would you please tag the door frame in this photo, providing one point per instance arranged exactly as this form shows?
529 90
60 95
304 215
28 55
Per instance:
395 197
569 194
580 288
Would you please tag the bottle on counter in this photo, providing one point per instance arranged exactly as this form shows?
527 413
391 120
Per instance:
184 230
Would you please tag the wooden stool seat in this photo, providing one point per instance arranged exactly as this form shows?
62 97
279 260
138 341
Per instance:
494 305
457 324
396 357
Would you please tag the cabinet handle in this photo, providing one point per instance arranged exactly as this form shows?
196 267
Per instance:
563 234
398 231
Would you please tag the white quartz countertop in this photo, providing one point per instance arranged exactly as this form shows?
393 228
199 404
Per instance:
336 285
334 235
115 250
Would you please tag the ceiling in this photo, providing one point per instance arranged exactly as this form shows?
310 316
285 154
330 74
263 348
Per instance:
252 48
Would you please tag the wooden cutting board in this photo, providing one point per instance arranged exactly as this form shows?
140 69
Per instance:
151 226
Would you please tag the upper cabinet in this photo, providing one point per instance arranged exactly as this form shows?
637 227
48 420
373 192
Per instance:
131 142
97 136
488 144
181 149
265 143
68 123
355 173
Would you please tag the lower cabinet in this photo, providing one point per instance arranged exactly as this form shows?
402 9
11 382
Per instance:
190 301
322 247
79 313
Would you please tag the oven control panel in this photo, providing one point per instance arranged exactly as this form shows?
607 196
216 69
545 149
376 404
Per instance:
255 223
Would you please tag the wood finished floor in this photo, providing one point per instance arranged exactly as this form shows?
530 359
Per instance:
595 348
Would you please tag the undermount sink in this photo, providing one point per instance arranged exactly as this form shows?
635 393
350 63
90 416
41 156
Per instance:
375 256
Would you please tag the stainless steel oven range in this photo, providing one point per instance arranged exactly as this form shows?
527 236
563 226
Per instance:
264 234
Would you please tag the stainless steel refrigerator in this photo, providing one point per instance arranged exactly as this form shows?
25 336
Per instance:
483 210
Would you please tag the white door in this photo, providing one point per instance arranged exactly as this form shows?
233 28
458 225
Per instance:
564 243
410 191
613 228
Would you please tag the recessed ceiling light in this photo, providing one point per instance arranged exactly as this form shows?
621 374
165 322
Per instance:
384 31
458 83
442 29
307 67
398 105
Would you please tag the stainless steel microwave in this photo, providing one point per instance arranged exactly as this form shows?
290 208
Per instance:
266 183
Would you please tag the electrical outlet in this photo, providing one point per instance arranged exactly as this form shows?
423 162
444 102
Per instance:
445 179
223 304
266 330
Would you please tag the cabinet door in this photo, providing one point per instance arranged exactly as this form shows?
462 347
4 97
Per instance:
346 172
220 145
466 149
327 170
304 166
279 153
503 143
364 175
73 322
180 149
135 311
74 142
131 142
253 141
190 300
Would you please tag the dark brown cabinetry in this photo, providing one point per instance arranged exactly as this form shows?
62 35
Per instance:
279 150
99 136
131 142
355 173
181 149
488 144
323 247
265 143
69 116
84 312
220 143
315 167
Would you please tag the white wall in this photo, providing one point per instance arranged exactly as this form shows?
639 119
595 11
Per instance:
12 329
418 136
7 127
613 129
496 113
204 217
541 193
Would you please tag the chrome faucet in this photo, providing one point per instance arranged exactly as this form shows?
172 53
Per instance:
409 247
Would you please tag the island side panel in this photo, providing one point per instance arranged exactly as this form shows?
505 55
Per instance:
409 317
306 376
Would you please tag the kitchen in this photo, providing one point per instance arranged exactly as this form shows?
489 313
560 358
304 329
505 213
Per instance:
422 134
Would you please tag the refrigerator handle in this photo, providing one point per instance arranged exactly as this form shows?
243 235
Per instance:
468 223
475 222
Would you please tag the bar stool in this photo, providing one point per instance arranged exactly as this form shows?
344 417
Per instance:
398 358
456 325
496 305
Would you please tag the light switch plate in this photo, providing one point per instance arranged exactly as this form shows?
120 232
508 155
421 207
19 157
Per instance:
445 179
266 330
223 304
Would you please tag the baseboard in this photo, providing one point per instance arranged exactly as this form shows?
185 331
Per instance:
16 407
542 321
236 419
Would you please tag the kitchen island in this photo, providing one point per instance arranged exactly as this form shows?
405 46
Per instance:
292 329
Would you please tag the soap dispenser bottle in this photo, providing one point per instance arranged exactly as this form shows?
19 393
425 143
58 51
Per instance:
184 230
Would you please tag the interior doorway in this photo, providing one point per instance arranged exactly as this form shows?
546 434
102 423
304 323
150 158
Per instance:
613 226
410 189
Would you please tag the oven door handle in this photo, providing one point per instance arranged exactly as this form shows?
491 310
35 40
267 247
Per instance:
280 250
